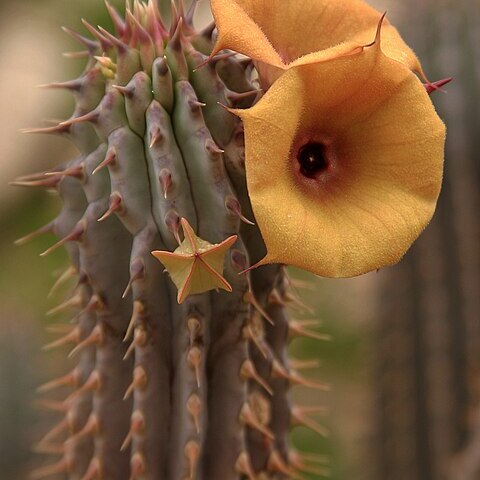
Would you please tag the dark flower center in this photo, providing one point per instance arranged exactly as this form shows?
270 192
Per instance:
311 158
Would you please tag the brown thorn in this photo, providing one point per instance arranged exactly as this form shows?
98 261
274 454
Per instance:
191 13
249 334
298 303
138 311
115 206
46 183
297 379
175 42
142 35
313 410
41 231
74 172
243 466
69 273
297 329
196 105
137 272
95 304
72 337
250 298
92 384
139 381
74 85
128 92
194 358
162 66
91 428
130 350
50 449
298 418
194 408
74 236
274 298
301 284
156 27
49 470
172 221
233 206
75 302
88 117
206 62
304 364
248 418
55 432
156 136
249 372
120 46
71 379
91 45
165 178
110 159
95 338
51 405
278 465
279 371
127 442
194 326
104 42
137 427
314 457
81 54
181 9
192 453
94 470
307 323
434 86
59 328
116 19
137 466
139 340
222 56
297 460
212 148
32 176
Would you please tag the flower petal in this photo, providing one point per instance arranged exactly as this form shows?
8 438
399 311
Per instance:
278 32
383 147
239 31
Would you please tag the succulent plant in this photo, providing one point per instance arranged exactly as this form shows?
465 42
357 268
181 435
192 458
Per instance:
181 153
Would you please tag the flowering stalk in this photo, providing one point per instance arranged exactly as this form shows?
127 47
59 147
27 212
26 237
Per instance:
186 375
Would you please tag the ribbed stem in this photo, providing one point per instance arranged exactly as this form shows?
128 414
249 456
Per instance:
167 391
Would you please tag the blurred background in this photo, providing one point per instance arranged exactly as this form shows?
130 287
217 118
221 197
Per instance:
405 359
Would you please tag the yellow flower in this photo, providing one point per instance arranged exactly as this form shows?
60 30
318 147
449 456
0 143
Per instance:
344 157
196 266
275 33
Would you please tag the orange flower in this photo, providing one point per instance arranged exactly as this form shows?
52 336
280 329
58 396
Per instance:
275 33
344 157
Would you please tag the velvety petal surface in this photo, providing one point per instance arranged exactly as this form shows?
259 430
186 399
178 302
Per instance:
277 32
383 148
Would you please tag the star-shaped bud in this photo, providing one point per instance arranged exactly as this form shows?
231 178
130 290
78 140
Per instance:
196 266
